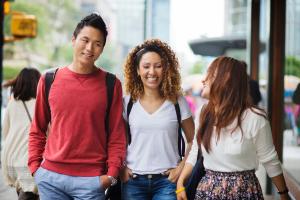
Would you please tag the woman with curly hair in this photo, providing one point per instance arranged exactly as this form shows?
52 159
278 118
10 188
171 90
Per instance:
234 135
154 155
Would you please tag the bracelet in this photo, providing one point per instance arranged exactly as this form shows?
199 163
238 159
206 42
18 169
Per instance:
285 191
179 190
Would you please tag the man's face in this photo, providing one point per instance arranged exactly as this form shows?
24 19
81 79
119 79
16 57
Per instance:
88 45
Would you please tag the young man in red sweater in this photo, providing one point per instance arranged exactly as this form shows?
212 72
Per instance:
77 159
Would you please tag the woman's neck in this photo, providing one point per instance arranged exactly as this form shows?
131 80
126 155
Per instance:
152 95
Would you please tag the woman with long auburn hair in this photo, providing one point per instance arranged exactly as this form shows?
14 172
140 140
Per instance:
233 135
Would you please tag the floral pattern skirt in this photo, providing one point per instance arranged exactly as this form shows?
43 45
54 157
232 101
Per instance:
229 185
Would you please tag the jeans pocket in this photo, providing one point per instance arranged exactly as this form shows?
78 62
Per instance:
128 180
38 174
167 178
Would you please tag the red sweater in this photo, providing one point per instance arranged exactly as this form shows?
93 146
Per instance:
77 143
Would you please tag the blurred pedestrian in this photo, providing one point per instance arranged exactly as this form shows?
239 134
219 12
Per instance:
233 135
15 132
153 162
79 159
190 100
254 91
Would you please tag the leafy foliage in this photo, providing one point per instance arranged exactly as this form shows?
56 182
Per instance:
198 68
292 66
10 72
56 21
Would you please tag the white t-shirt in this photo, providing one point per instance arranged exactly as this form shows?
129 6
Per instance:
154 137
237 152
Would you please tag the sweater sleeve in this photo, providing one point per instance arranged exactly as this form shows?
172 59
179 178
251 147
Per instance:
117 137
266 152
39 126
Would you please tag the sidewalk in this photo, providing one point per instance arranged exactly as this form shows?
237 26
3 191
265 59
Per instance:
6 192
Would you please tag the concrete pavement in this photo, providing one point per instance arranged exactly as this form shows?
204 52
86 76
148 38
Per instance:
6 192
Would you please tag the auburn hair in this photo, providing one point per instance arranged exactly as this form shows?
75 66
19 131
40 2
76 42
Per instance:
228 98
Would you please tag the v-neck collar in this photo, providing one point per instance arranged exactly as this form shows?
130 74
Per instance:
156 111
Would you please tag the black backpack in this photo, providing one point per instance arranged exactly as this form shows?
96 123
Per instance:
181 143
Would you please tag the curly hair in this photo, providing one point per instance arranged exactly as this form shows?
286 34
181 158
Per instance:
170 87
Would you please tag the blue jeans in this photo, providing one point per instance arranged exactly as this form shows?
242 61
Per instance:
54 186
142 187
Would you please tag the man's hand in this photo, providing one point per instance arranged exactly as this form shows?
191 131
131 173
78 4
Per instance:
33 174
125 174
105 181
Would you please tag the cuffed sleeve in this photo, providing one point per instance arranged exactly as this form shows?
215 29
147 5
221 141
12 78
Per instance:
39 126
266 152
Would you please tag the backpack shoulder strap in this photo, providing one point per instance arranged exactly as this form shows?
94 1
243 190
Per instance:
129 107
110 80
181 142
49 78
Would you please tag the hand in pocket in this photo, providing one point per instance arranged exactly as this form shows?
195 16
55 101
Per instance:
125 174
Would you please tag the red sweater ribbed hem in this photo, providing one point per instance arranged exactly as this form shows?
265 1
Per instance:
77 169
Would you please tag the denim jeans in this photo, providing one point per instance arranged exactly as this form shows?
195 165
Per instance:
142 187
54 186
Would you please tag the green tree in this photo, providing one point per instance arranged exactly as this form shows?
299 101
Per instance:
56 21
292 66
198 67
107 58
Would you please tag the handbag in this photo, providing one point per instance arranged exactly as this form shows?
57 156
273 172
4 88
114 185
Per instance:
195 177
27 111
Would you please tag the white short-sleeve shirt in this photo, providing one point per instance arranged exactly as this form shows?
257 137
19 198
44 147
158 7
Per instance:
154 137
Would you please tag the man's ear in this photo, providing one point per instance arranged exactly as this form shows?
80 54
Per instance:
73 40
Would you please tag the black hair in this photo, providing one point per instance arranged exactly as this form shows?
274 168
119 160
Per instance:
24 86
94 20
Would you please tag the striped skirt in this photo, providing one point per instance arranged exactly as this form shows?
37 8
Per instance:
229 185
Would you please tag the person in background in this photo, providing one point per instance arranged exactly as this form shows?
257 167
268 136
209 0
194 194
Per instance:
190 100
233 135
254 91
78 159
154 163
15 129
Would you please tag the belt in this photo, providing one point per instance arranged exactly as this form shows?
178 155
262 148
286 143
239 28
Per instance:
149 176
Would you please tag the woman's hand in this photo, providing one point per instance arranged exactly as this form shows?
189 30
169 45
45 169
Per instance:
125 174
181 196
173 174
284 197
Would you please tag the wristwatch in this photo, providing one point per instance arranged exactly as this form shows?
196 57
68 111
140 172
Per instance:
113 180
